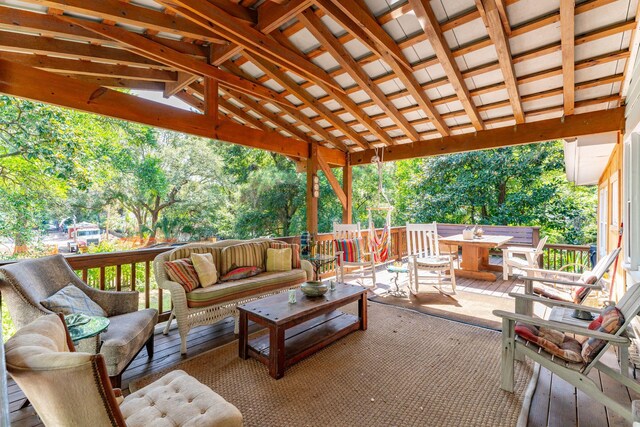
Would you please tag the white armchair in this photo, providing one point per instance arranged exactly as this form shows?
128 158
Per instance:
528 258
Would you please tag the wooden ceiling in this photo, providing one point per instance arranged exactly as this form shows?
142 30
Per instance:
345 75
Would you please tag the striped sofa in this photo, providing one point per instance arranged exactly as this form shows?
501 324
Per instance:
204 306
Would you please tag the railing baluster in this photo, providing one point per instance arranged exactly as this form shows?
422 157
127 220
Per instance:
118 277
133 276
147 274
85 275
102 276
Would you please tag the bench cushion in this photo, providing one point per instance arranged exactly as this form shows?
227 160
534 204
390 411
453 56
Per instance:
178 399
251 254
230 291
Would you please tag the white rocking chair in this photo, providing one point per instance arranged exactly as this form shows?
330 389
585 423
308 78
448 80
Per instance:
576 374
366 261
530 260
424 256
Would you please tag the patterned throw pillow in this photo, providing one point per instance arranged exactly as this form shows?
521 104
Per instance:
71 300
241 273
350 249
295 252
579 294
555 342
205 268
609 322
279 259
182 271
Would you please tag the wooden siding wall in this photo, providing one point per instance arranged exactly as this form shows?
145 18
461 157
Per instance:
613 168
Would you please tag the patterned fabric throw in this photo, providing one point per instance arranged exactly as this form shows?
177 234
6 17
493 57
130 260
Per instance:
71 300
251 254
182 271
609 322
578 295
279 259
205 268
241 273
295 252
350 249
554 342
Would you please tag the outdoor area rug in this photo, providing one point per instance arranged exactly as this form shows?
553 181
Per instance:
467 307
407 369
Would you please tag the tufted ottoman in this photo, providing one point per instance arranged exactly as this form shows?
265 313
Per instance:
178 399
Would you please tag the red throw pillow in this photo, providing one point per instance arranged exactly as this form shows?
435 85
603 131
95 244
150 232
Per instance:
241 273
609 322
183 272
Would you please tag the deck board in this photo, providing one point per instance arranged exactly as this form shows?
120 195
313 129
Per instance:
554 402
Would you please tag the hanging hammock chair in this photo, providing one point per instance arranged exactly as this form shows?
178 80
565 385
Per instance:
380 244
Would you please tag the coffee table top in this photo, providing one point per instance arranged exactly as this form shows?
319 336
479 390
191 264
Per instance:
276 308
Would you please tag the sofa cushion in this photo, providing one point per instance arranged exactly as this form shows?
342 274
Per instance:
279 259
178 399
206 269
183 272
127 333
229 291
186 251
295 252
251 254
350 248
71 300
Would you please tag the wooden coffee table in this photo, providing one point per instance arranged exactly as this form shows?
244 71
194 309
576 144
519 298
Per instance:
299 330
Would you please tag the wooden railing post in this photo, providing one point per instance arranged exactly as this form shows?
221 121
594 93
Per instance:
312 200
347 180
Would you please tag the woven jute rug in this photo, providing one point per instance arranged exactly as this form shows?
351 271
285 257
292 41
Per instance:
407 369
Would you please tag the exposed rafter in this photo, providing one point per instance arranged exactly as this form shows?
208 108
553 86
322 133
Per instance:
568 62
495 22
430 26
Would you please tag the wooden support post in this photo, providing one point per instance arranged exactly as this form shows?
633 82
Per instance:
347 179
211 100
312 202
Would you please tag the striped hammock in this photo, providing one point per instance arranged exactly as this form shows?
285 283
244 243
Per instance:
379 245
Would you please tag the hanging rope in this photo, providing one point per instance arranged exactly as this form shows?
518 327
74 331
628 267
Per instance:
380 246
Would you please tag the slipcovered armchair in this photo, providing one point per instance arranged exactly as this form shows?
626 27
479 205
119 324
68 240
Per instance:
42 360
26 283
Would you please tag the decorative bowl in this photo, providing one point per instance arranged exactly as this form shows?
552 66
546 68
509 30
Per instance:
314 289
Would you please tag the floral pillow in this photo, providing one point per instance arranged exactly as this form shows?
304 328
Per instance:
241 273
609 322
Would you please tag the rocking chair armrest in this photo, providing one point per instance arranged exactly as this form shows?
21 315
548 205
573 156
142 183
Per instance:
562 327
553 302
560 282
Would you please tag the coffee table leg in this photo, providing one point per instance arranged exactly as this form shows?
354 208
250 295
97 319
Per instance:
362 311
244 336
276 352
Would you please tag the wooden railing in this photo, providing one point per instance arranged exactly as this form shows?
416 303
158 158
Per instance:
123 271
571 258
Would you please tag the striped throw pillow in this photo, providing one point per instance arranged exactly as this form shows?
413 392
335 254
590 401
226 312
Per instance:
350 249
251 254
183 272
279 259
295 252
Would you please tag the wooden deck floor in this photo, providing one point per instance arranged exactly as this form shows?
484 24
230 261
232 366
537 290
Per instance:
555 402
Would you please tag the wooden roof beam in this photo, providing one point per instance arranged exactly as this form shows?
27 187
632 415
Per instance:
307 99
567 37
494 23
220 22
128 13
430 26
526 133
342 56
270 17
184 80
406 76
176 59
295 113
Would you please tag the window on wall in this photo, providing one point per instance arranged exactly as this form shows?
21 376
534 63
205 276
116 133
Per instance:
631 200
615 200
603 221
